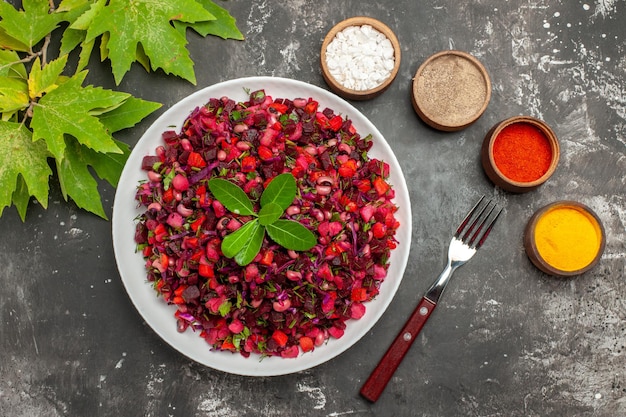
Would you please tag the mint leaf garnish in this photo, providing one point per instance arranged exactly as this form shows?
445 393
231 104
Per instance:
232 197
269 213
252 246
245 243
234 242
291 235
281 190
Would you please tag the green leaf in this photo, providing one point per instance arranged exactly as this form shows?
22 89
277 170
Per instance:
235 241
231 196
10 64
43 80
223 26
167 179
146 22
80 15
269 213
76 122
225 307
75 179
21 157
13 85
73 9
13 95
11 43
291 235
281 191
252 246
86 18
131 112
71 40
30 25
65 111
104 41
142 58
21 198
107 166
85 54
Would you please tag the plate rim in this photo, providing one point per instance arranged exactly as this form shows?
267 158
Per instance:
268 366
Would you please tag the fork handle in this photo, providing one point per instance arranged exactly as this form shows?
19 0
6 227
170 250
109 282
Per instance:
388 364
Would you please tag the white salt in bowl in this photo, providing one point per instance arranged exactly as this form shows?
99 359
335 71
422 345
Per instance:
360 58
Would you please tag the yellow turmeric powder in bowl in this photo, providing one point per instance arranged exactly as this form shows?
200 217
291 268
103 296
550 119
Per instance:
564 238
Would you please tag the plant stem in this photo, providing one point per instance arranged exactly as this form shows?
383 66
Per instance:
44 50
24 60
46 42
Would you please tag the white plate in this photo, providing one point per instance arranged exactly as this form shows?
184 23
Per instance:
159 315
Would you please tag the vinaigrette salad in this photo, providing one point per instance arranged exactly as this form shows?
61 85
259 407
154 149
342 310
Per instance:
285 301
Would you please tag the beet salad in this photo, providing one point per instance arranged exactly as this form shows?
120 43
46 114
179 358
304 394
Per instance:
291 270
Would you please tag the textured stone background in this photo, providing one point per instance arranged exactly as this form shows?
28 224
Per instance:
506 340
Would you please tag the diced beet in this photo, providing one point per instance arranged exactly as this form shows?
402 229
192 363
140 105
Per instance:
191 293
148 161
169 136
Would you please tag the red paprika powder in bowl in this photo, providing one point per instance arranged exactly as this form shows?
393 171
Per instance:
520 153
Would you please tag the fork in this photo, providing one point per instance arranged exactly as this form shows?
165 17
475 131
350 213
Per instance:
468 238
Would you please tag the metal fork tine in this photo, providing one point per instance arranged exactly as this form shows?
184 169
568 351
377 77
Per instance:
466 236
488 229
467 218
471 241
480 226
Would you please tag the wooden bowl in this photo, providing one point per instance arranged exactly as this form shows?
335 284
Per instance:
534 253
497 176
334 84
451 90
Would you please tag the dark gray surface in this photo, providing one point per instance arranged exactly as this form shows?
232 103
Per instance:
507 340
